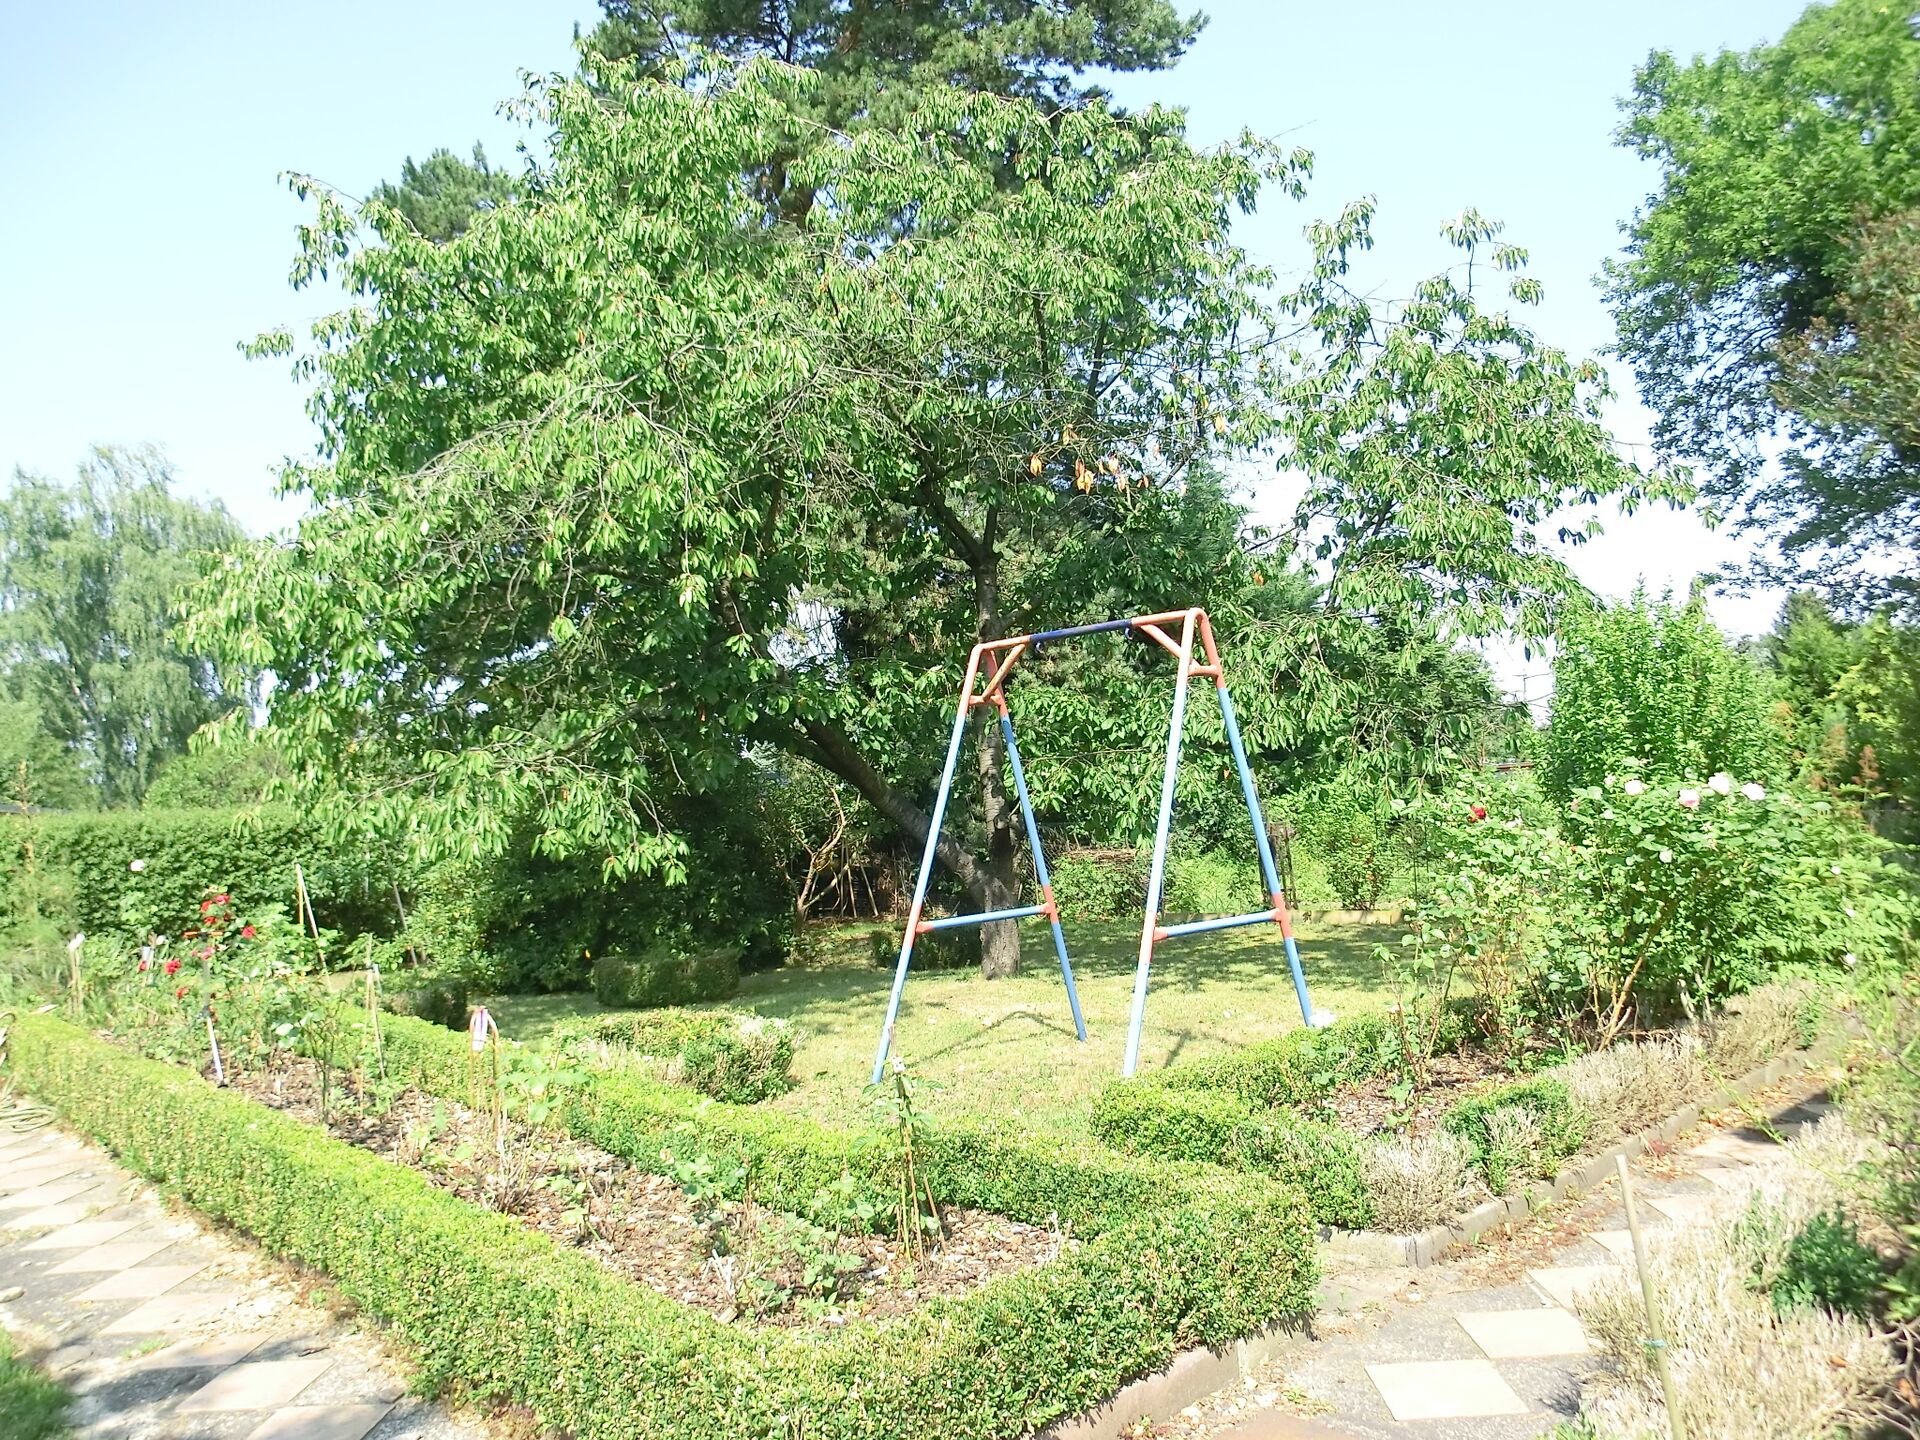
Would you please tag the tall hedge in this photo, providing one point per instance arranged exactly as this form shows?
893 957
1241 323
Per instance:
502 1312
250 854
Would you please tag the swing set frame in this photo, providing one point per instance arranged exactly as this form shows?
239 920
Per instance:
1192 646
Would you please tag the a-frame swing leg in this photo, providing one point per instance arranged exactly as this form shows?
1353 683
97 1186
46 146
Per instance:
1267 869
1156 876
1040 870
926 875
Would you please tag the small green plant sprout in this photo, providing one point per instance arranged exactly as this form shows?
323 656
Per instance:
574 1192
847 1207
905 1131
417 1142
536 1083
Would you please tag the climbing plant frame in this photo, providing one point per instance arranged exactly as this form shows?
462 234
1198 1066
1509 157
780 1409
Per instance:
993 661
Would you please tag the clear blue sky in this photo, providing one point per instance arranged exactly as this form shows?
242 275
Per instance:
143 233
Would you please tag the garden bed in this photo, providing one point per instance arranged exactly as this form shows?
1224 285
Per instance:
732 1259
1169 1257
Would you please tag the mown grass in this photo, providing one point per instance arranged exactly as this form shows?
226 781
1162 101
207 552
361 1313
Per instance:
32 1407
1006 1048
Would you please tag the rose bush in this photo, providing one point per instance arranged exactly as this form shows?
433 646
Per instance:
1640 900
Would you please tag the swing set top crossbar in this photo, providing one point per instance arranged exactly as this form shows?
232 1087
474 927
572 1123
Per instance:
995 659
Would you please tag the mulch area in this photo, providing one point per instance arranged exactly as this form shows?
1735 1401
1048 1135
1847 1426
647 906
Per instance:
730 1259
1371 1106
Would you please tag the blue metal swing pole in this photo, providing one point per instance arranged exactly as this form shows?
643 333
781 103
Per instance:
1049 909
1266 850
1156 877
926 873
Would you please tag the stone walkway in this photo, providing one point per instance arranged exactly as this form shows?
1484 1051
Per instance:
165 1330
1486 1347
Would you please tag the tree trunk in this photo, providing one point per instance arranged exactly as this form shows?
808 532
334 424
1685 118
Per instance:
999 941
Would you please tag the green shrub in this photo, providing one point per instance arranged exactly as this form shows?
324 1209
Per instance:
1828 1265
956 949
182 854
439 1002
1322 1160
1212 882
1304 1065
750 1060
1100 884
499 1311
661 1033
1557 1128
663 977
1143 1116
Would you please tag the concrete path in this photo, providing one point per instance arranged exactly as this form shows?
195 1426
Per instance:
165 1330
1485 1346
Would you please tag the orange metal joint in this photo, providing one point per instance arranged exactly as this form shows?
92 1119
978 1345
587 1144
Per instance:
1050 910
921 927
1162 934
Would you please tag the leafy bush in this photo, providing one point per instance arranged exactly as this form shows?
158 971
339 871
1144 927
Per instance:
957 949
662 1033
1211 882
181 855
1324 1161
1416 1181
1144 1116
1828 1265
1645 901
1304 1065
1170 1259
748 1061
1351 829
1100 885
1505 1148
1655 686
439 1002
662 977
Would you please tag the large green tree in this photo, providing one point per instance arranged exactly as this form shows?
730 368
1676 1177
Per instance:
90 575
1768 288
641 472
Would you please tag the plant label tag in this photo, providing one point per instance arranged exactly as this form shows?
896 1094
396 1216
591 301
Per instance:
481 1021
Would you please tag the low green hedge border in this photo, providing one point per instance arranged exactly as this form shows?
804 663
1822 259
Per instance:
1560 1129
665 977
1087 1188
501 1312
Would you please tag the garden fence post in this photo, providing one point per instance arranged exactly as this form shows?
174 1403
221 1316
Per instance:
1156 876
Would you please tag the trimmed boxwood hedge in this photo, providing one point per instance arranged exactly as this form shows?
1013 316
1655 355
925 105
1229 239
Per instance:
1145 1116
1562 1126
502 1312
665 977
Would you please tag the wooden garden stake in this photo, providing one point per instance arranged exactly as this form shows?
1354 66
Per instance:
306 910
413 955
213 1045
1656 1341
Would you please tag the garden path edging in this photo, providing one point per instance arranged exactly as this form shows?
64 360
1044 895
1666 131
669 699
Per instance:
1187 1378
1376 1250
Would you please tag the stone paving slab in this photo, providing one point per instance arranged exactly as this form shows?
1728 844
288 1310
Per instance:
165 1330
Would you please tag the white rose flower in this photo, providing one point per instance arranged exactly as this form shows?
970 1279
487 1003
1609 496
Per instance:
1851 959
1666 857
1721 784
136 866
1835 869
1753 790
1636 787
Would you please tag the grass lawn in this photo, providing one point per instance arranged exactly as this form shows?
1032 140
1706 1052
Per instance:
1006 1048
32 1407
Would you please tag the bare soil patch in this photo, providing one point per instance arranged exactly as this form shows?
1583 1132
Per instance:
736 1260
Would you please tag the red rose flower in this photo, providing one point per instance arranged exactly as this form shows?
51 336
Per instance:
220 899
246 932
205 953
181 993
205 906
1479 812
172 967
143 964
